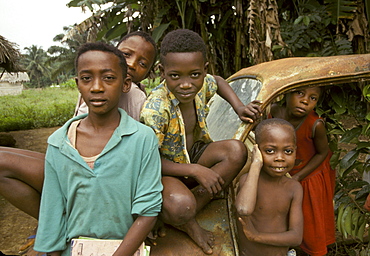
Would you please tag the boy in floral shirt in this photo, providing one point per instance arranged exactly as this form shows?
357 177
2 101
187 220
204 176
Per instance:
194 169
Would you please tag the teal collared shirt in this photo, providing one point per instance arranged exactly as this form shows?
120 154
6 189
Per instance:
100 202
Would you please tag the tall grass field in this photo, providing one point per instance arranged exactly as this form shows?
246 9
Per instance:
37 108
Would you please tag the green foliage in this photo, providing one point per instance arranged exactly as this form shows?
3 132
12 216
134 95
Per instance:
37 69
151 83
221 24
312 32
348 127
70 83
36 108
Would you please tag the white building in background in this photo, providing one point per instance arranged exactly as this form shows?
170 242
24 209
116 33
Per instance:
12 83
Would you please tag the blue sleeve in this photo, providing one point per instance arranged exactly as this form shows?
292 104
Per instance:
51 231
148 197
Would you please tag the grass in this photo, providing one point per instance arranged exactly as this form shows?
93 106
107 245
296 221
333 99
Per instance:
37 108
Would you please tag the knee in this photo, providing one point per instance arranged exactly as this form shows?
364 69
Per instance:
237 151
178 209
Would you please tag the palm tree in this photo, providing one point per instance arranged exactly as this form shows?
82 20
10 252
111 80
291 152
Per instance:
35 62
62 58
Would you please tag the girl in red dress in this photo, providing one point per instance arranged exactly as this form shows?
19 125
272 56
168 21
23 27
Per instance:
312 168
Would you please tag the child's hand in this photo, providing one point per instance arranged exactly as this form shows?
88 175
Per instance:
209 179
256 155
248 228
251 112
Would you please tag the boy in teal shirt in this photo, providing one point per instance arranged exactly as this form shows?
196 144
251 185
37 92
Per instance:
102 169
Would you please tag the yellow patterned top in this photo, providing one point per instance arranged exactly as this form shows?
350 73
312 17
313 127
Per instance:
162 113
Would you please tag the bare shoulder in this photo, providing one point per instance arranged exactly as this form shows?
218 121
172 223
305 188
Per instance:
293 185
276 110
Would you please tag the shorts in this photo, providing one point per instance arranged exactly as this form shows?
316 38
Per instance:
197 150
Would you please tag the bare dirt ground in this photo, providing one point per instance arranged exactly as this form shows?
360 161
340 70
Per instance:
15 225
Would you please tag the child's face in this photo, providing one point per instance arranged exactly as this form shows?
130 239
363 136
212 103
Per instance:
100 80
302 101
278 150
184 73
139 55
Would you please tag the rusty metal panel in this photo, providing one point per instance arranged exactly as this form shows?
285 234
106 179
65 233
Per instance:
284 73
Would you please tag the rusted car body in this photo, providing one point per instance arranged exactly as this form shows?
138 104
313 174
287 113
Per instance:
265 82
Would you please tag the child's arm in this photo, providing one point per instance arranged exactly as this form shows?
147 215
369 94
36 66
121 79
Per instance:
322 149
291 237
206 177
57 253
247 195
248 113
135 236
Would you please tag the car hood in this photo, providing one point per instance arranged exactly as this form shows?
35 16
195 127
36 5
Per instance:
279 76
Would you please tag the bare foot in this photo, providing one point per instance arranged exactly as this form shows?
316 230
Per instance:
203 238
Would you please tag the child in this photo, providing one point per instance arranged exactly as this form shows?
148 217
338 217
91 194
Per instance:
139 50
312 167
194 168
102 169
22 171
268 203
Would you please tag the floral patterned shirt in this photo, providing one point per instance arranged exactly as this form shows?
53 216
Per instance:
162 113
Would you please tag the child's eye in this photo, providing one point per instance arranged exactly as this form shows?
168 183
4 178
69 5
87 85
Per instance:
174 76
85 78
289 151
109 77
299 92
195 75
314 98
143 64
269 151
126 54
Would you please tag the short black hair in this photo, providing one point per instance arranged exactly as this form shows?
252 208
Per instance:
271 123
142 34
103 47
182 40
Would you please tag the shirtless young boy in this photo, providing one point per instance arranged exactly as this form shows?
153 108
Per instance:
102 169
194 168
268 203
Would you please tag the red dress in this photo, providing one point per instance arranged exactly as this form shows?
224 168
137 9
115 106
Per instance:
318 192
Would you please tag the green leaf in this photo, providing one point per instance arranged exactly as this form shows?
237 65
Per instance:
117 31
368 116
334 160
350 135
357 184
298 20
158 31
306 20
338 99
348 160
364 191
336 131
362 145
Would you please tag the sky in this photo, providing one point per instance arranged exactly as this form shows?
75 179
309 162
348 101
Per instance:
37 22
